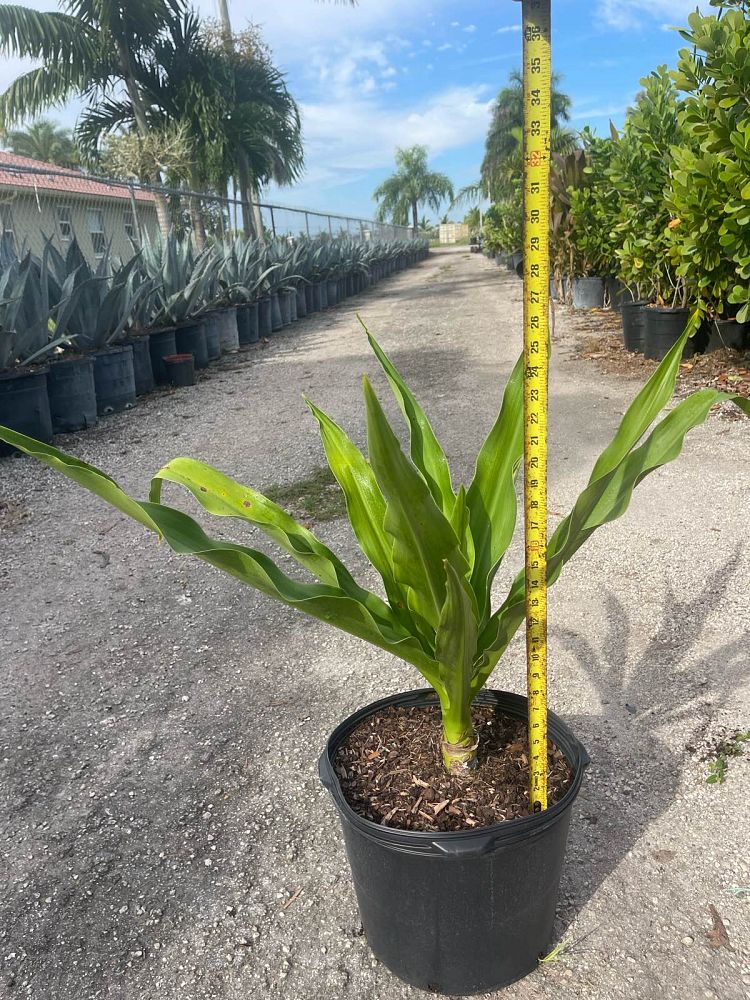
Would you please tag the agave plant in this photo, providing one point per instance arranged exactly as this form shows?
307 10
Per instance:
184 282
436 549
96 304
29 299
244 269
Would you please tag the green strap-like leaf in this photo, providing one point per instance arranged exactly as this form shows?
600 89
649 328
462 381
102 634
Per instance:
602 501
80 472
422 537
492 494
456 638
185 536
365 506
224 497
425 449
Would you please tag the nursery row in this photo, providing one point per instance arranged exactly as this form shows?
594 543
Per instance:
77 343
647 327
661 206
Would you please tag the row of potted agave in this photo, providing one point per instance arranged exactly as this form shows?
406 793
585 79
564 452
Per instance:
78 342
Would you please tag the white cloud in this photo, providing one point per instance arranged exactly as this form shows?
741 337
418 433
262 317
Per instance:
470 28
360 134
444 47
623 14
508 27
455 24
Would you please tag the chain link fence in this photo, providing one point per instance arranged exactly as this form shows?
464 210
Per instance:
38 203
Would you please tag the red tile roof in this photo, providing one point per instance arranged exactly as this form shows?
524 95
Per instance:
23 172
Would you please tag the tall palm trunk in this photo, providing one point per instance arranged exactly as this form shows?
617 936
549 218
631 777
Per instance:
252 220
139 113
414 218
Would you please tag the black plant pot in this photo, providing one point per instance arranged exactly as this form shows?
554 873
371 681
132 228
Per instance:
301 295
143 371
24 405
323 286
247 323
181 368
212 329
588 293
265 317
664 327
229 339
285 308
293 304
332 289
72 394
309 299
463 912
317 294
634 325
191 339
161 343
725 333
277 318
114 379
616 292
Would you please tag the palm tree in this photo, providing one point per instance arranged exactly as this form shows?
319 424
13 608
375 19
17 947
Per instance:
87 49
502 163
412 185
233 107
46 141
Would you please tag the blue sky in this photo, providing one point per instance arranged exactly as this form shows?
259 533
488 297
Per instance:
392 73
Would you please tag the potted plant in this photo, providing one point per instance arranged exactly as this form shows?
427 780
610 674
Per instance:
709 195
593 211
640 173
454 900
26 314
99 306
184 289
242 273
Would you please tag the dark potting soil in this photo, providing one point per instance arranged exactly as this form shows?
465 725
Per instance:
391 771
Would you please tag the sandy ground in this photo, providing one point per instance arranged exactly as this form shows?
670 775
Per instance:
163 832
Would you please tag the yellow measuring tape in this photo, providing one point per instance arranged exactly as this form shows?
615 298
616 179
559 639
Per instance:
537 83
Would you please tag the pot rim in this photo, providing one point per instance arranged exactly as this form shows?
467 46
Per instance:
456 843
178 358
20 371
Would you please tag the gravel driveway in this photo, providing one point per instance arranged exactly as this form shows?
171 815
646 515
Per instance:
163 832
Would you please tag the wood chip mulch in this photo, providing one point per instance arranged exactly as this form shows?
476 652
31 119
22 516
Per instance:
391 772
726 370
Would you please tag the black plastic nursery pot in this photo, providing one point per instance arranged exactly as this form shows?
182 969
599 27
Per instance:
229 339
72 394
265 317
463 912
333 292
301 295
309 298
143 371
191 339
664 327
114 379
323 285
277 318
181 368
285 307
161 343
317 295
24 405
212 330
292 304
616 293
726 333
634 325
247 323
588 293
